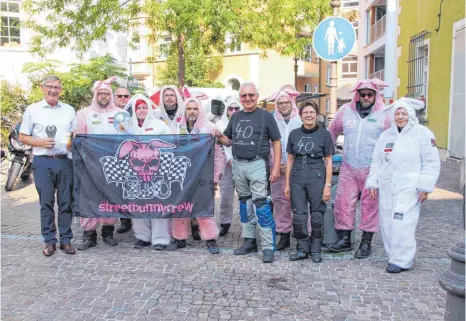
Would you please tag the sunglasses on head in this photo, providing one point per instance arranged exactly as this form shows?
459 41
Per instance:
122 96
243 96
233 108
369 95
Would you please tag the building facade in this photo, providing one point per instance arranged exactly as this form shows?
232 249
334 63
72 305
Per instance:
431 64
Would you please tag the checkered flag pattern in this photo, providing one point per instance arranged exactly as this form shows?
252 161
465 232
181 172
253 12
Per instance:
178 168
172 168
116 170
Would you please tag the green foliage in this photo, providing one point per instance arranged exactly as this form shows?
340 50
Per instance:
263 24
13 99
201 70
77 81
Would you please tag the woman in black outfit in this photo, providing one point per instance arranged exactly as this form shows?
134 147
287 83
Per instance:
308 181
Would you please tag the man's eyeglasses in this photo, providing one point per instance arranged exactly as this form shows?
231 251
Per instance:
369 95
56 88
122 96
233 108
103 94
169 96
244 96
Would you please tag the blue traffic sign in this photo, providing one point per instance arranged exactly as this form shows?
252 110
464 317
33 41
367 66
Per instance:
334 38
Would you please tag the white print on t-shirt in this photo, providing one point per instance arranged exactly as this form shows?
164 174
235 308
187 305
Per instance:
303 147
244 133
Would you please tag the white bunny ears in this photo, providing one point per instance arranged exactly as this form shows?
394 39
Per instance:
406 102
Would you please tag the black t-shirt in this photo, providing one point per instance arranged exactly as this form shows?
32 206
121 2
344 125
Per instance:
244 128
315 144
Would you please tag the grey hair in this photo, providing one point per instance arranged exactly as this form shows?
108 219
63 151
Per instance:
249 84
50 78
121 88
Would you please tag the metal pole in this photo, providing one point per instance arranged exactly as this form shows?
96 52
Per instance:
333 71
452 281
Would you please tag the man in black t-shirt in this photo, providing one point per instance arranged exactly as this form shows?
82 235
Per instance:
249 132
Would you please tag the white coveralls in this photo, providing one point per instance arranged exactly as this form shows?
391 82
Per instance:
156 231
403 164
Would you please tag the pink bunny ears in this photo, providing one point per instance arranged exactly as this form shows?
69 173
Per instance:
184 92
373 84
289 92
98 84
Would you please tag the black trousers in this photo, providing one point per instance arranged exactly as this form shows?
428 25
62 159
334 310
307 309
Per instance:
306 188
50 175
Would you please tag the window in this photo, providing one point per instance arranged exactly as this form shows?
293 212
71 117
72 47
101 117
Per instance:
10 25
349 67
418 71
307 54
316 88
233 44
379 63
164 47
356 28
327 105
307 88
329 73
349 3
234 84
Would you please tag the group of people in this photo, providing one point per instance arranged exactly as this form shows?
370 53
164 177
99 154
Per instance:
279 163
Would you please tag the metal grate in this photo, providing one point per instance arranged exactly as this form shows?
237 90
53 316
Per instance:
417 82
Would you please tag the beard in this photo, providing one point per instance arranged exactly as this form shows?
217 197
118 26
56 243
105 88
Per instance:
286 114
103 103
170 107
366 105
192 119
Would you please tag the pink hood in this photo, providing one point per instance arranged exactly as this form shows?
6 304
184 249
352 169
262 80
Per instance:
373 84
99 85
291 97
202 122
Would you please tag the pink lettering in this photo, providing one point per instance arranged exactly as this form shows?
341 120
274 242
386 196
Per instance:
180 208
124 207
117 208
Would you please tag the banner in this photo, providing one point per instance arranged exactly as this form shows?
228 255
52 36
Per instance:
143 176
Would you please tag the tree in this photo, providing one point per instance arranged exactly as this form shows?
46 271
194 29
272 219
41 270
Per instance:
77 80
264 24
201 70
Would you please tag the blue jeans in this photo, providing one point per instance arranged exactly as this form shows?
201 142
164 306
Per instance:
50 175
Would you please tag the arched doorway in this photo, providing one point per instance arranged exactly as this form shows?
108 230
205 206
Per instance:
234 84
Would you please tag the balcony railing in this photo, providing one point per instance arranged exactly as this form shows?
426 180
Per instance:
378 74
377 30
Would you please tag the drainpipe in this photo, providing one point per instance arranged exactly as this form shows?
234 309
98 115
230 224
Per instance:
390 49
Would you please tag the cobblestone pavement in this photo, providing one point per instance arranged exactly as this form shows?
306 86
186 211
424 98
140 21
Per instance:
121 283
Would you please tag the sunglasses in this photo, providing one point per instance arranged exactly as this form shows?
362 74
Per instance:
244 96
369 95
122 96
233 108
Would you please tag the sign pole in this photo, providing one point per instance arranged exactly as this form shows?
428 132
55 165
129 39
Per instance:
333 71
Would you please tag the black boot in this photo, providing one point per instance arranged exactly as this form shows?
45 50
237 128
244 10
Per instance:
365 246
195 232
248 246
343 244
284 241
316 245
224 229
212 246
300 255
89 240
268 256
107 235
176 244
125 225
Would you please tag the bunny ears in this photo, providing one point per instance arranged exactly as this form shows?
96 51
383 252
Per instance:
373 84
292 93
406 102
98 84
184 92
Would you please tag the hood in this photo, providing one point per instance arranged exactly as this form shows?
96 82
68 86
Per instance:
179 99
374 84
103 84
202 120
233 100
132 104
411 106
294 108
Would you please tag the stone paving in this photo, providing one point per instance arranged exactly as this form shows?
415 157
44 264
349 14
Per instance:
122 283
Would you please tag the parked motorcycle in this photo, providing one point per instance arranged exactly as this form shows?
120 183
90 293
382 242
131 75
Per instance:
20 157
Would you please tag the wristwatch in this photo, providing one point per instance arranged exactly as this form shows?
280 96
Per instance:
329 185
